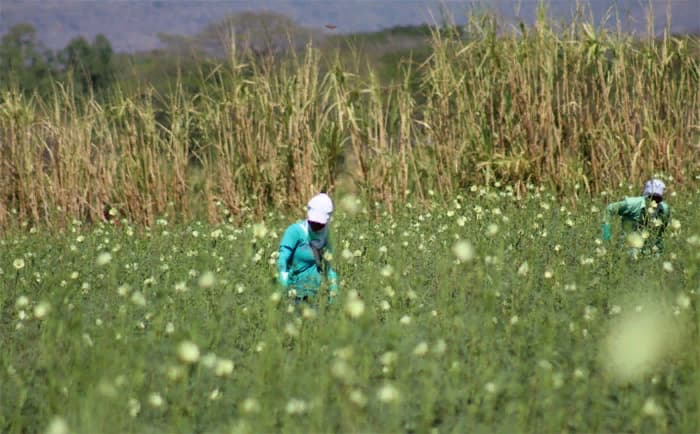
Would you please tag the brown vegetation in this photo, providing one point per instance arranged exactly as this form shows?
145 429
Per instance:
580 110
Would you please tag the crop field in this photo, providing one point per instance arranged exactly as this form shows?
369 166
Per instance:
139 230
484 313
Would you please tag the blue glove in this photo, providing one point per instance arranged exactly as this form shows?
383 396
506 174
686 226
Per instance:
606 231
283 278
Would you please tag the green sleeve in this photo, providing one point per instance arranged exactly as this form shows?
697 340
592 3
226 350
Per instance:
289 242
614 208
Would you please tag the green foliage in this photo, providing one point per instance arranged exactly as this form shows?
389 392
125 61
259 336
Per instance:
26 66
24 63
90 65
512 338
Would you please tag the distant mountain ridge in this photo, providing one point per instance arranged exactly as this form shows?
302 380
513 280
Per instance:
134 25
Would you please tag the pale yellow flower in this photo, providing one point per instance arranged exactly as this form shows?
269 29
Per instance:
291 330
296 406
388 358
138 299
58 425
651 408
188 352
308 313
341 370
440 346
155 400
250 405
103 258
206 280
387 271
259 230
388 393
275 297
123 290
635 240
134 407
421 349
492 229
354 305
358 398
22 302
41 310
683 301
638 342
208 360
175 373
523 269
215 394
224 367
463 250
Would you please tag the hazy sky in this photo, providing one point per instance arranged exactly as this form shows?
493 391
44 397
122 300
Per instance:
135 24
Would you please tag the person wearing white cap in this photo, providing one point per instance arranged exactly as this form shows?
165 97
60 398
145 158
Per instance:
302 260
648 214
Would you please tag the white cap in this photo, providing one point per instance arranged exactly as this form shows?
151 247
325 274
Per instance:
320 208
654 187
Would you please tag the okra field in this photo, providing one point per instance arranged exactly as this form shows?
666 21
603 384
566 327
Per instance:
486 313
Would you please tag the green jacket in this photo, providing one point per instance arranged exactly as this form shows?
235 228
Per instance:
305 268
636 217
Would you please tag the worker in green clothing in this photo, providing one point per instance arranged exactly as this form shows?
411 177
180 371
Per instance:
303 259
648 215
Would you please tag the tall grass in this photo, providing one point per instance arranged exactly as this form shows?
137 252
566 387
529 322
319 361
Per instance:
579 108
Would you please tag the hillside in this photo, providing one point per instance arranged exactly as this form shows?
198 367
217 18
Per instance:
134 25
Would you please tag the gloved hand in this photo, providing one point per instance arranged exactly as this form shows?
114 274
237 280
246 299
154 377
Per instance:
606 231
283 278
